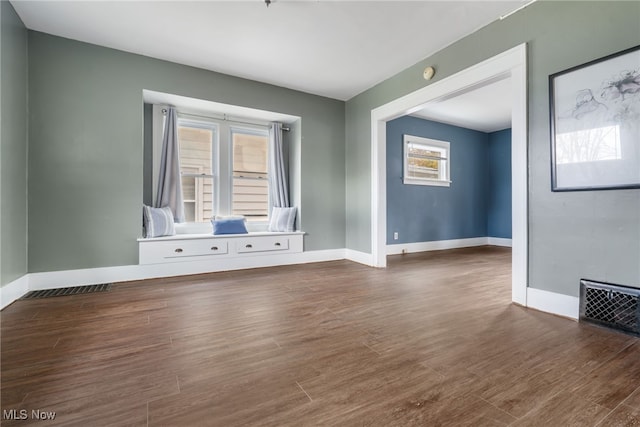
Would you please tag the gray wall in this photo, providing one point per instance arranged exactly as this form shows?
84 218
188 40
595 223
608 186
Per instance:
13 145
86 149
572 235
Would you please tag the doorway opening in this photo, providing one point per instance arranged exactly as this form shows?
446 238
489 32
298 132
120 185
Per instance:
507 65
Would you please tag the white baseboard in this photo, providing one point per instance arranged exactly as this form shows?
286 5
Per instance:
320 256
359 257
436 245
56 279
551 302
439 245
499 241
14 290
126 273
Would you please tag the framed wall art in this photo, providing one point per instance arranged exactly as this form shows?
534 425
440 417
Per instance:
595 124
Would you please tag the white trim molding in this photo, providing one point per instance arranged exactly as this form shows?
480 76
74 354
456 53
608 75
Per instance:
499 241
443 160
13 290
125 273
152 271
511 64
359 257
554 303
550 302
436 245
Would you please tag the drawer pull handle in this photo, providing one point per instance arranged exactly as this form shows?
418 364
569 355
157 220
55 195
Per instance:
214 248
179 250
248 246
278 244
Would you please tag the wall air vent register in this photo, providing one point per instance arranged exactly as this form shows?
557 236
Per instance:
613 306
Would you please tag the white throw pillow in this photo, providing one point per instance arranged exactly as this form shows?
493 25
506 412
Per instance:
282 219
158 221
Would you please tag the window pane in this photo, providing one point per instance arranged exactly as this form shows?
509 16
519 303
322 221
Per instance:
189 211
423 162
188 188
250 194
196 149
197 194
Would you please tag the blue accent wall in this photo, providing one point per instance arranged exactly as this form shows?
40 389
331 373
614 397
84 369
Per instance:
421 213
499 195
478 202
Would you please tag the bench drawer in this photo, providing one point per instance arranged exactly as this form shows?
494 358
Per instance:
176 250
263 244
216 249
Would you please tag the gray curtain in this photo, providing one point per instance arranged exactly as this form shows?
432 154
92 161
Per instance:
169 183
278 186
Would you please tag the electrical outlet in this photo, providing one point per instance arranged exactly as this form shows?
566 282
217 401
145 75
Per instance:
395 235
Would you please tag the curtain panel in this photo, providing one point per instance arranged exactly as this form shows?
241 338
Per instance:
278 185
169 181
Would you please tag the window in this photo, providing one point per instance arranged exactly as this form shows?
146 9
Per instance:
426 161
224 170
250 196
196 144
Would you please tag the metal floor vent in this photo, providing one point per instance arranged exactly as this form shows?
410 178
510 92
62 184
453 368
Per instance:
614 306
61 292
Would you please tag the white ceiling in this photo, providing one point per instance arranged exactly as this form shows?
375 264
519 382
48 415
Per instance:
486 108
330 48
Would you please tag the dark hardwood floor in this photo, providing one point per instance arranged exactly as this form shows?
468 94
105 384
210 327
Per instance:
432 340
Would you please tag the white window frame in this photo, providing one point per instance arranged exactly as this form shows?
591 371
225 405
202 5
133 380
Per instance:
215 158
430 144
222 158
248 129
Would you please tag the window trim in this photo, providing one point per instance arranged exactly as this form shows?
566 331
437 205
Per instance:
215 159
445 174
222 160
257 130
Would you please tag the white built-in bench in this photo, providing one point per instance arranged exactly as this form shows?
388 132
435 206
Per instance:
199 247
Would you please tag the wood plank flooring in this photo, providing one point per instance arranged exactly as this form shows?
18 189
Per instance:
432 340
